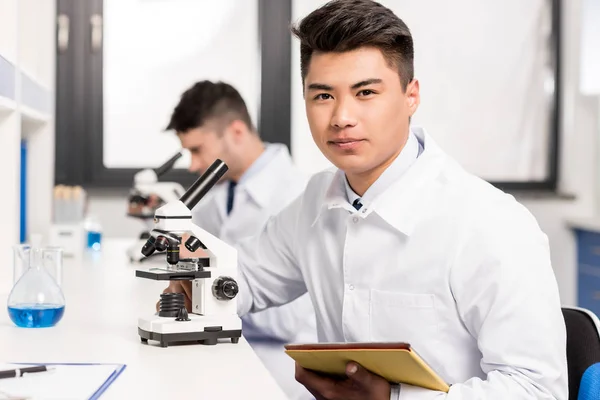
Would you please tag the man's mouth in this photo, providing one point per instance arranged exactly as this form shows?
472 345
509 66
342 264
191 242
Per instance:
345 143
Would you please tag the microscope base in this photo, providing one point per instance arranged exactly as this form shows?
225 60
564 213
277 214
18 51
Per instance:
199 330
206 337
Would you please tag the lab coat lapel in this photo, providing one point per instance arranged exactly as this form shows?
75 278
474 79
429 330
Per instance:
404 202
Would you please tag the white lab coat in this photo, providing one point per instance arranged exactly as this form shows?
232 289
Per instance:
257 198
439 259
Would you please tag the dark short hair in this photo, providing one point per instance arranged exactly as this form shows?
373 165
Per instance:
346 25
208 101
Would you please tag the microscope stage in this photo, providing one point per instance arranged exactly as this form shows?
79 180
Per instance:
168 273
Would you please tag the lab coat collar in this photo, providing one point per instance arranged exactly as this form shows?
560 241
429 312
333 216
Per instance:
400 204
260 186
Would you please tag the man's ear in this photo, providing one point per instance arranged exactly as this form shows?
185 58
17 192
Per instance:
237 129
413 96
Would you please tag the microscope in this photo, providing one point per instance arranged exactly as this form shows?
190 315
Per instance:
214 286
146 196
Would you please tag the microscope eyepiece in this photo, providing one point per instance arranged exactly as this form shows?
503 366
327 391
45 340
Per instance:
168 165
193 244
203 184
149 247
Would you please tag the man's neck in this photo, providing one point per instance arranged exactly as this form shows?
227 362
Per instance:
252 153
361 182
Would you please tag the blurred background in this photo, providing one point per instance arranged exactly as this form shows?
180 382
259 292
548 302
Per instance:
509 88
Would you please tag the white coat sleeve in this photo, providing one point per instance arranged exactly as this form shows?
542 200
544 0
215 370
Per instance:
268 270
507 298
292 322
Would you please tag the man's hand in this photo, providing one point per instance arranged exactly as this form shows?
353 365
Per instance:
359 384
184 287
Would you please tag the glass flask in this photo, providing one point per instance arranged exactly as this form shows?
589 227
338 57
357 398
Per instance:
36 299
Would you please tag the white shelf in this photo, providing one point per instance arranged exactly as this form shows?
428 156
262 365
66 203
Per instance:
32 121
7 106
30 115
586 224
27 71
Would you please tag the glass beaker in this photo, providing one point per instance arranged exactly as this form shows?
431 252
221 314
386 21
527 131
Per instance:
21 254
36 300
52 260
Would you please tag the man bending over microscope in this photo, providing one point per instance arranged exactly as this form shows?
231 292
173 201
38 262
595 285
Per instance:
212 121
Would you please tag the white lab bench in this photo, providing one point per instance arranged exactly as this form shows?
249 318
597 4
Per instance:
103 302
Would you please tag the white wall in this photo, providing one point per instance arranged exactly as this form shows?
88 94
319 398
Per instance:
579 162
153 51
111 207
590 40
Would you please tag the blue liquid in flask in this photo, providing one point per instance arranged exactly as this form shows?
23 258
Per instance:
94 240
36 315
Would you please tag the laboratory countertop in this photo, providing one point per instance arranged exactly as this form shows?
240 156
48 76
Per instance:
103 302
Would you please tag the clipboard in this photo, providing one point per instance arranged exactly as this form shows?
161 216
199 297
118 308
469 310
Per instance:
98 378
395 362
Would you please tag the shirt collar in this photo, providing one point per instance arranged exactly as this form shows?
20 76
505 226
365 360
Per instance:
258 181
399 166
351 196
395 195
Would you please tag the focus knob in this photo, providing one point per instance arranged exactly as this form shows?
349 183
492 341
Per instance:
225 288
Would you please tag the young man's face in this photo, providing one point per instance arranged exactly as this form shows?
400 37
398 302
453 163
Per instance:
205 145
357 110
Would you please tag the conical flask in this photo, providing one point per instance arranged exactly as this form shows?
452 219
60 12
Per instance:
36 300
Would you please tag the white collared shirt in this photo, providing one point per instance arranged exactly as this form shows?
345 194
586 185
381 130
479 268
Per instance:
439 259
271 183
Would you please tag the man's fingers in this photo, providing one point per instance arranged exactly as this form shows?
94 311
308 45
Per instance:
186 287
323 388
174 287
358 374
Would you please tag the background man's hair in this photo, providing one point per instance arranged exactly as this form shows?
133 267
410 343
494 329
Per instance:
209 102
346 25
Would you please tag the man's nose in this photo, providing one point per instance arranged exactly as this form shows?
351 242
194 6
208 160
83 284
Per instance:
195 166
344 115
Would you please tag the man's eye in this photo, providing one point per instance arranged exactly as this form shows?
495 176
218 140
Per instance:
323 96
366 92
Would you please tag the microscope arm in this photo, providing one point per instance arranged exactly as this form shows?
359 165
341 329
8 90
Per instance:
223 264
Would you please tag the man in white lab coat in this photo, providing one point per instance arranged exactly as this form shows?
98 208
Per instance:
212 121
399 243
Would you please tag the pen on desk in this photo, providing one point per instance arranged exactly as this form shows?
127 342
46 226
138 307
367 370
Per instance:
19 372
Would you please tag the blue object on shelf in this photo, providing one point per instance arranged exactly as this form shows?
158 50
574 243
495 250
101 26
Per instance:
23 194
588 269
94 240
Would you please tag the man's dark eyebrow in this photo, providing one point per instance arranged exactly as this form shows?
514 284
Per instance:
319 86
366 82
